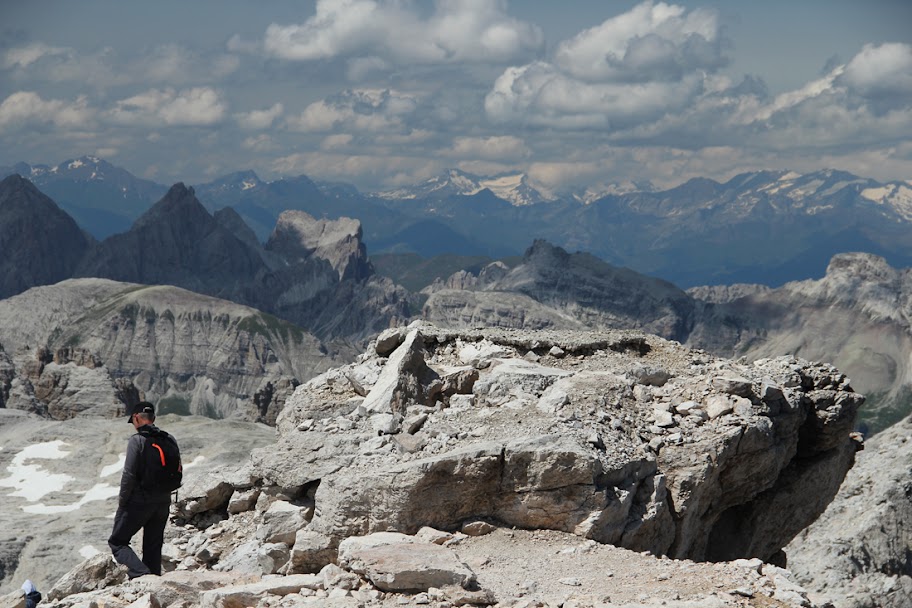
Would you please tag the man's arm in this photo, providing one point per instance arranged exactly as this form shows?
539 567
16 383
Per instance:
130 476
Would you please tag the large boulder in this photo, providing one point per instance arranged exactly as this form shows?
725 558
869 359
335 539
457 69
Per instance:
396 562
605 435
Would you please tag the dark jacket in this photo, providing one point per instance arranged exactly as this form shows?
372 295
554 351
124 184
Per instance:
131 489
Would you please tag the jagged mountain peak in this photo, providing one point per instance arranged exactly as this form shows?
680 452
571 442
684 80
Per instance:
179 203
15 182
20 192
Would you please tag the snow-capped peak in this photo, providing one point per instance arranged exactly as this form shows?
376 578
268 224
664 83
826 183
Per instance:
511 187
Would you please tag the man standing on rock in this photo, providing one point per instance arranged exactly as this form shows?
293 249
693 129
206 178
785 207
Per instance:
152 471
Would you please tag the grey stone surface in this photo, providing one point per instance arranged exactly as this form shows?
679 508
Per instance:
395 562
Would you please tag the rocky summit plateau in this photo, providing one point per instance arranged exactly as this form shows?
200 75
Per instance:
513 468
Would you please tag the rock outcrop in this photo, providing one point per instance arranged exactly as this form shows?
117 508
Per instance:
857 317
857 554
617 437
87 346
40 243
298 235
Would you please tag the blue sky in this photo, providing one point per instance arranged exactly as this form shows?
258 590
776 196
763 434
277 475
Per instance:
382 93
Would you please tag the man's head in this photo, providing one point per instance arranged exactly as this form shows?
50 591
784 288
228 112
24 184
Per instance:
140 414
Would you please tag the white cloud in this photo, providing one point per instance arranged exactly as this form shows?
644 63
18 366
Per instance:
356 110
259 119
540 94
635 67
198 106
457 31
340 140
651 41
27 108
173 64
498 147
881 70
25 56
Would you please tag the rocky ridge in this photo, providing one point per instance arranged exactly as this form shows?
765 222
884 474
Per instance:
408 471
857 316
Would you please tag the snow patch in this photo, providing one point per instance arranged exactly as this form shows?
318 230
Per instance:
839 186
75 164
33 481
100 491
878 195
804 190
196 461
247 185
113 468
790 176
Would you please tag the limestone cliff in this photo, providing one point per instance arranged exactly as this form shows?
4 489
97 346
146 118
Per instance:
298 235
189 352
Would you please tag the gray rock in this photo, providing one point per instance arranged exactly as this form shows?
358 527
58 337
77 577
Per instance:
717 405
477 528
854 555
389 340
732 385
243 500
335 577
248 595
395 562
403 379
94 573
272 557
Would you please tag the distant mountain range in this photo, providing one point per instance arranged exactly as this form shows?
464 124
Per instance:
765 227
515 188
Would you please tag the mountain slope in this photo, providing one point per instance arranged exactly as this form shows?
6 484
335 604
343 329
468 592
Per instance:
568 291
40 243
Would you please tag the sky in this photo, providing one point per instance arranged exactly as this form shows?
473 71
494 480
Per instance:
385 93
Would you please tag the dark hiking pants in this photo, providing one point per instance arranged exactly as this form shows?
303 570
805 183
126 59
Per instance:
151 517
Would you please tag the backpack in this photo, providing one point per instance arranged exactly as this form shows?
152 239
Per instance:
163 470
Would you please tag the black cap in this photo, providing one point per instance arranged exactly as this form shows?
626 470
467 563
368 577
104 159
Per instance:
143 407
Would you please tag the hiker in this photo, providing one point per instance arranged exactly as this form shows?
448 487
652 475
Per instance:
152 470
